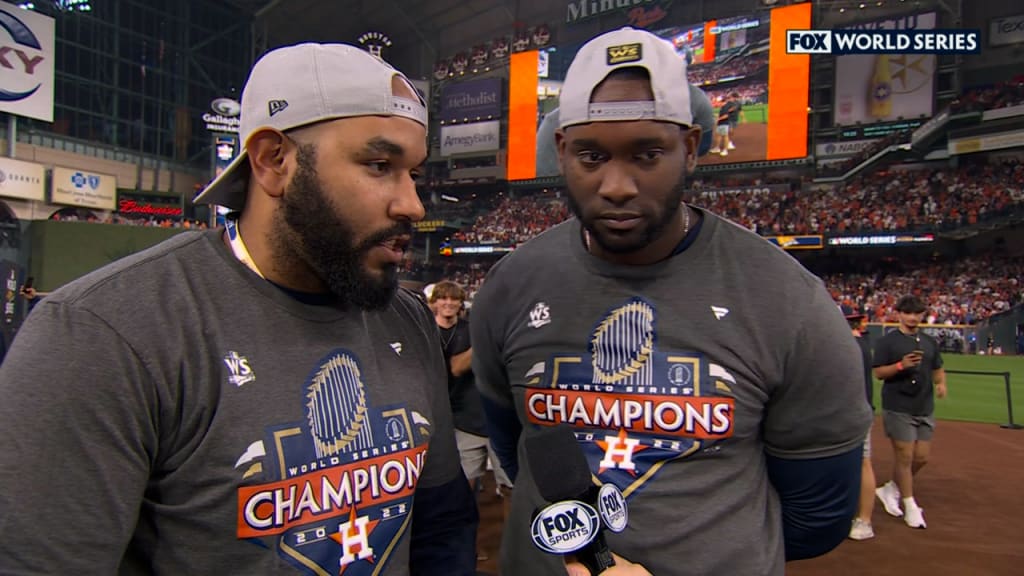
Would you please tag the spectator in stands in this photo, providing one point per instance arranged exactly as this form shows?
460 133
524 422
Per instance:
909 363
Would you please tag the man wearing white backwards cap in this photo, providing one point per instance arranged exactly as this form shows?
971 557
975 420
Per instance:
705 373
256 400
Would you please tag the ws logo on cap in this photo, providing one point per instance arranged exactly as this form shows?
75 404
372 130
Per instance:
625 53
565 527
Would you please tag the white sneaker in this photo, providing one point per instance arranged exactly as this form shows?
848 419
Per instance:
724 152
861 530
715 150
731 146
889 495
914 516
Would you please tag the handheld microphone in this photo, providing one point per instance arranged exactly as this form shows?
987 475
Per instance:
579 512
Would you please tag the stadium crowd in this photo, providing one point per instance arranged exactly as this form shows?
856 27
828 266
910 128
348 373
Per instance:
127 221
713 72
885 201
959 292
1002 95
752 93
516 220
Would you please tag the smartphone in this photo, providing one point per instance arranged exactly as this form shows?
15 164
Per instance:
28 283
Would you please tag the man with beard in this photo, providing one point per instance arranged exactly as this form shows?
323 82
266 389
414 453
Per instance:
254 400
909 363
705 373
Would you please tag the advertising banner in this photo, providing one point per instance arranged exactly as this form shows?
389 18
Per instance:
841 148
469 101
23 180
1008 30
868 240
83 188
470 138
881 87
27 44
755 190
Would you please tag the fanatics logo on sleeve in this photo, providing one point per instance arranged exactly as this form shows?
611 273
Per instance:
625 53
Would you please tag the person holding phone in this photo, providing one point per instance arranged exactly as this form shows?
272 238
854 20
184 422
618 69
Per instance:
31 295
909 363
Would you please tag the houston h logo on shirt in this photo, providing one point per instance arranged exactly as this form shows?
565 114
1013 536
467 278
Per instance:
332 491
635 407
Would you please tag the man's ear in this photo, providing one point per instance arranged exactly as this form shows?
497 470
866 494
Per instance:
269 152
692 139
560 145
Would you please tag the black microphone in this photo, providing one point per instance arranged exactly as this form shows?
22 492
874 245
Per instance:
579 512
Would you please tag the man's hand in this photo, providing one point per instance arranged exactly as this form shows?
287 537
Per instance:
940 390
622 567
912 360
29 293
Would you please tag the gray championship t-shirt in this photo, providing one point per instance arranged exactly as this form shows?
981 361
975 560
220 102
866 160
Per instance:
678 377
173 413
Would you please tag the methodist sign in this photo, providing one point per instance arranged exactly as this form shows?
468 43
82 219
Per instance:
26 63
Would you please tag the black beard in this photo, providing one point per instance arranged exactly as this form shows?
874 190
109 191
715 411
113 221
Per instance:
327 244
674 203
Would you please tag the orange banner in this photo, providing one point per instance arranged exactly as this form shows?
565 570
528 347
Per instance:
709 41
522 115
788 85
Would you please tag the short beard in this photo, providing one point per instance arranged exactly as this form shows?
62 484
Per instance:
309 227
653 231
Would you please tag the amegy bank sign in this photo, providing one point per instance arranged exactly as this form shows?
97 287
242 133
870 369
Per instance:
470 138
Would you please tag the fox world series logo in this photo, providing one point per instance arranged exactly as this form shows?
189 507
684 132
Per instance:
333 492
635 407
841 42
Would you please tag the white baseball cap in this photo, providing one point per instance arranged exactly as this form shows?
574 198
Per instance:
303 84
624 48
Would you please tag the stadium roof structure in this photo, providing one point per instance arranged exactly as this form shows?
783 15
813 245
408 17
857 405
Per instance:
411 22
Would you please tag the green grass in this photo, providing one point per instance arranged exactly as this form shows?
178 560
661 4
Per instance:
978 398
753 113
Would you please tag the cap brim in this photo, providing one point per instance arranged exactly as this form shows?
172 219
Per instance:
856 316
231 187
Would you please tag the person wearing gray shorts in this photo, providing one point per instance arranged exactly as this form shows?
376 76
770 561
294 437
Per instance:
909 363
